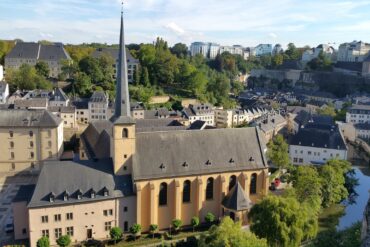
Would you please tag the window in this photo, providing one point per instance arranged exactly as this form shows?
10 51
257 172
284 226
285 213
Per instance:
57 232
11 133
125 133
209 189
295 160
57 217
69 230
163 194
309 152
232 182
24 231
108 212
31 144
125 209
108 225
186 191
300 160
31 133
44 219
32 155
125 226
11 144
253 184
69 216
49 144
12 155
45 233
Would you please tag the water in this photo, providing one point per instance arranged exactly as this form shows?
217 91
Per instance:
355 212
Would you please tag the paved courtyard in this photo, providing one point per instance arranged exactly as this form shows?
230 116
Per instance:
9 186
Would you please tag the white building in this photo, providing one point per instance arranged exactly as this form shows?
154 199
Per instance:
263 49
277 49
59 98
213 50
355 51
310 54
4 92
317 145
202 112
1 72
98 106
362 130
199 48
358 114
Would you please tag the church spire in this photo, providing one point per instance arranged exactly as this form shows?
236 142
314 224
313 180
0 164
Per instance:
122 109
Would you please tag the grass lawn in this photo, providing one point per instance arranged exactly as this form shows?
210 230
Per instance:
329 217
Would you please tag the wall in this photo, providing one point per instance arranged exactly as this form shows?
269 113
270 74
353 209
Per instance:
159 99
20 214
314 154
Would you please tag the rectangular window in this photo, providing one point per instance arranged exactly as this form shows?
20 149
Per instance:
11 144
12 155
57 232
300 160
295 160
110 212
69 216
49 144
11 133
50 154
31 133
44 219
108 225
69 231
49 133
125 226
57 217
45 233
309 152
32 155
124 209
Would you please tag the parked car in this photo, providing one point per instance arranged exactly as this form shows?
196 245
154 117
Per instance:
277 182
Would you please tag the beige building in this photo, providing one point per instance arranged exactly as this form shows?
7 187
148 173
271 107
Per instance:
29 138
67 114
136 173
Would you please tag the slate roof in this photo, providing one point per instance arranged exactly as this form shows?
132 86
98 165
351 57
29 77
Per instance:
113 52
59 177
362 126
32 102
184 153
98 97
96 139
237 199
319 136
62 109
32 50
29 118
24 193
59 95
159 124
359 109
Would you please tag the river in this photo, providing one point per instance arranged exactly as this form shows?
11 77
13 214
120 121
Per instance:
354 212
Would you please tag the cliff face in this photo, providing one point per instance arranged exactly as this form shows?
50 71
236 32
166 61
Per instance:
365 233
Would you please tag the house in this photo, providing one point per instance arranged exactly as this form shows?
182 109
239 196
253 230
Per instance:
67 114
82 110
263 49
355 51
29 138
30 53
31 104
59 98
358 114
316 144
144 177
201 111
270 124
4 92
327 50
132 63
98 106
362 130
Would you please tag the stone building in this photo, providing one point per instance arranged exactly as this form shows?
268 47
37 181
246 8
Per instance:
133 173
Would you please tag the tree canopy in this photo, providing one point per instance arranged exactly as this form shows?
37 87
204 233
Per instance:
278 152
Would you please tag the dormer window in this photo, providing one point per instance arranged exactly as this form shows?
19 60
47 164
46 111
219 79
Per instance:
52 197
92 194
231 161
65 196
105 191
208 163
162 167
185 164
251 159
79 195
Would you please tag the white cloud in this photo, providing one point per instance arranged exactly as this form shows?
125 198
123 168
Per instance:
273 35
175 28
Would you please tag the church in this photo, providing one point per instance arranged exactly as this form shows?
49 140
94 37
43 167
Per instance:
145 172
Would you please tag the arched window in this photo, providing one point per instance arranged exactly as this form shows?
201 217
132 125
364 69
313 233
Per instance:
253 185
124 133
163 194
186 191
209 189
232 182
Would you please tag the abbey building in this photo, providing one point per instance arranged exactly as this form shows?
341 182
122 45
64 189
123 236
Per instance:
142 171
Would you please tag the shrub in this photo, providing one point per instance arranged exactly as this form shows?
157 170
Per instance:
116 233
64 241
177 223
195 222
210 218
43 242
135 230
153 229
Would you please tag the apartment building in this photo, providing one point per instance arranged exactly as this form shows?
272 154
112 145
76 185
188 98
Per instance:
358 114
29 138
355 51
67 114
263 49
327 50
202 112
98 106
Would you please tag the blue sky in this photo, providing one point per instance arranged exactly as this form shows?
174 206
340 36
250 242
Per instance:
228 22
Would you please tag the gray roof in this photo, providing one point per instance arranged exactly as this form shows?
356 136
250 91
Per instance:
29 118
24 193
113 52
161 124
184 153
362 126
59 95
236 199
62 109
32 50
96 139
32 102
98 97
359 109
269 122
59 177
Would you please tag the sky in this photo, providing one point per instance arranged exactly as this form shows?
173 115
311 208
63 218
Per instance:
227 22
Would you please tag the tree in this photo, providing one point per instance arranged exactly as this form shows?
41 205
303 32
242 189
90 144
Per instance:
135 230
194 222
327 111
280 220
278 152
230 234
43 242
180 50
27 78
177 223
90 66
292 53
64 241
144 77
153 228
349 237
42 69
116 234
137 74
277 60
210 218
82 84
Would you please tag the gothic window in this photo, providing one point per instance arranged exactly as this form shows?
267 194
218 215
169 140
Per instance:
232 182
186 191
163 194
253 185
125 133
209 189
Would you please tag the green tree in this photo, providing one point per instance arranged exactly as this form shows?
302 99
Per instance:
78 52
180 50
292 53
230 234
27 78
64 241
135 230
90 66
177 223
137 73
327 111
69 69
278 152
277 60
144 78
349 237
210 218
43 242
280 220
82 84
153 228
195 222
42 69
116 234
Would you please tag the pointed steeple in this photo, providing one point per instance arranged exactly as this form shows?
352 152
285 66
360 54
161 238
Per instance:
122 112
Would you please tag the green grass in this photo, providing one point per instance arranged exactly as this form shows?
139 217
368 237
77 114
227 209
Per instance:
329 217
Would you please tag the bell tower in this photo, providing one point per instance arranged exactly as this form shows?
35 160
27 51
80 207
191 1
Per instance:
123 139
